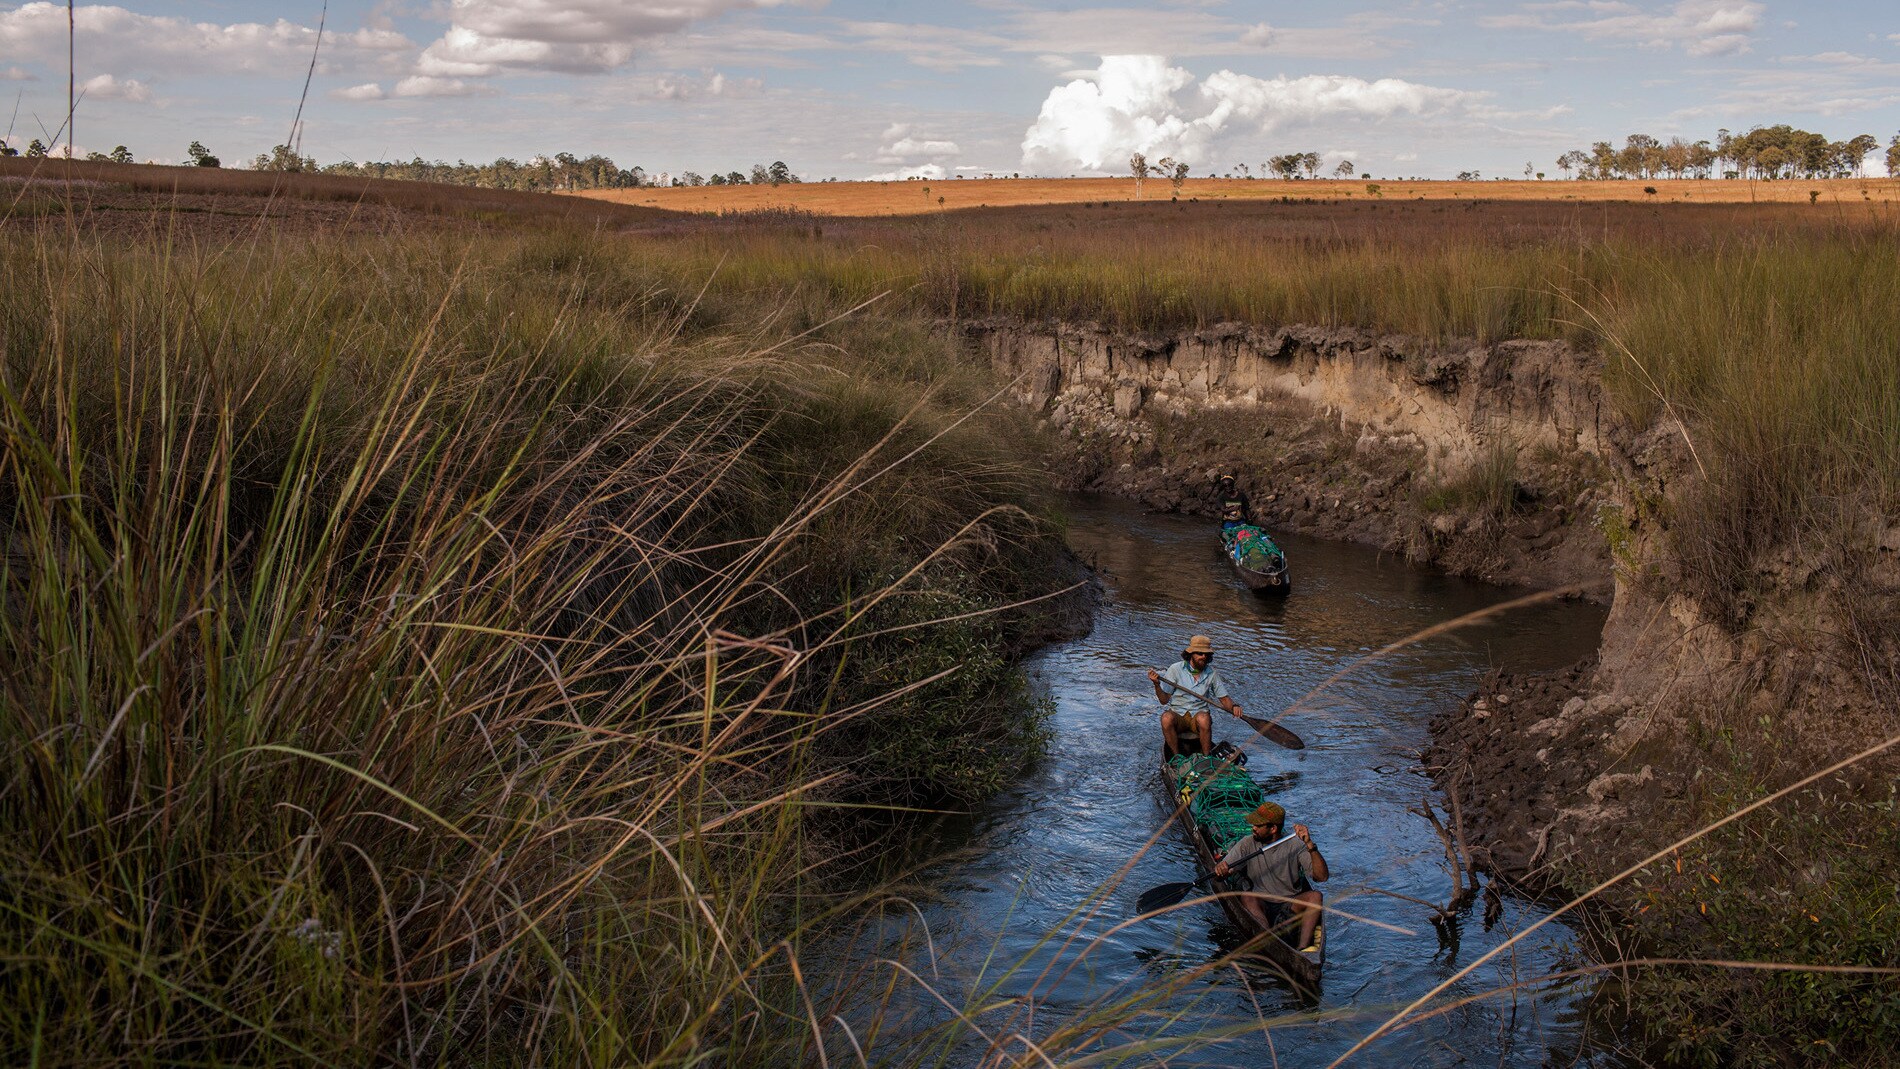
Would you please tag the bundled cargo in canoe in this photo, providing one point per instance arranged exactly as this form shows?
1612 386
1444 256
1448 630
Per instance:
1213 797
1257 559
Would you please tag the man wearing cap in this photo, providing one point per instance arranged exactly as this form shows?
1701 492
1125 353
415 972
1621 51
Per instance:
1194 685
1281 879
1234 506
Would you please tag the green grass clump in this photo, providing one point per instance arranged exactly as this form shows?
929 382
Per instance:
437 649
1489 487
1811 884
1781 363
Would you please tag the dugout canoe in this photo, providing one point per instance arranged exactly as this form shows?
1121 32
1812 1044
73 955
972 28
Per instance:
1303 970
1272 579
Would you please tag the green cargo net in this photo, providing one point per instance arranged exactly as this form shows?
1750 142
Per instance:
1250 546
1218 795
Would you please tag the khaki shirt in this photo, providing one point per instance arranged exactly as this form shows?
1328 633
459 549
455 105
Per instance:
1284 871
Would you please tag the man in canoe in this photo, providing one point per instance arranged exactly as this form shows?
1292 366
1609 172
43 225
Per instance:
1282 878
1235 509
1192 685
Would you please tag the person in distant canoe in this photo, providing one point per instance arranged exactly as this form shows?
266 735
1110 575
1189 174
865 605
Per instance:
1181 712
1234 506
1281 880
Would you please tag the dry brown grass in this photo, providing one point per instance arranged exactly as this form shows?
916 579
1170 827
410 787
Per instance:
42 178
911 198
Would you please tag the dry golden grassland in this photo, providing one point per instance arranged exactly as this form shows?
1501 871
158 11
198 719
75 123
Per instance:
372 550
919 197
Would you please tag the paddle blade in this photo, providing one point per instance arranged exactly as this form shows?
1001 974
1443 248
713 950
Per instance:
1163 896
1276 733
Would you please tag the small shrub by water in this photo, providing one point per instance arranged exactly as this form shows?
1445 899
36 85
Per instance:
1808 884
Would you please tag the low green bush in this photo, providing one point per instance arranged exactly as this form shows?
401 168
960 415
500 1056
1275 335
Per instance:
1811 883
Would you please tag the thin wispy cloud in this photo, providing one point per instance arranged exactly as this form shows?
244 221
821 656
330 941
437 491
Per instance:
121 39
1697 27
487 37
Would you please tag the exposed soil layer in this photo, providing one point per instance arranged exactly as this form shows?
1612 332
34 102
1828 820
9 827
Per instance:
1500 462
1486 461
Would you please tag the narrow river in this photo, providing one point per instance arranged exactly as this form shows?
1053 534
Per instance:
1009 915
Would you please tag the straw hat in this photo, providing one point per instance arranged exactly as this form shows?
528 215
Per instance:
1200 644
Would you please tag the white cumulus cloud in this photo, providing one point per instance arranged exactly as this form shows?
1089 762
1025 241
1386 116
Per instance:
424 85
366 91
900 144
927 170
106 87
1272 102
1127 105
1135 104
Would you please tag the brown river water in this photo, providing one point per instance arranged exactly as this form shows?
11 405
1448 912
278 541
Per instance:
1015 920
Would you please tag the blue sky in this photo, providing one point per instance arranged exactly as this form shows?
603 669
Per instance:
856 88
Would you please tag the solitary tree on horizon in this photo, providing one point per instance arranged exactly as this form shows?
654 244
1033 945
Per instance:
1138 166
1854 151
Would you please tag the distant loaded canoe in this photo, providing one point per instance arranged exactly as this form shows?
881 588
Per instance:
1213 799
1259 562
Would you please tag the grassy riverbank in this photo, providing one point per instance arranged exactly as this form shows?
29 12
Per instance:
1766 332
469 649
434 629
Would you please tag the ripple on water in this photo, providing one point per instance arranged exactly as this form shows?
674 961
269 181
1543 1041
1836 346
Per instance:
1017 892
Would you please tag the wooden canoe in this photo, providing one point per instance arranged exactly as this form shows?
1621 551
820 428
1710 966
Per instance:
1261 581
1303 970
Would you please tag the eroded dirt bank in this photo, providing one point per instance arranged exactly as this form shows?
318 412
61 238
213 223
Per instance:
1489 461
1503 462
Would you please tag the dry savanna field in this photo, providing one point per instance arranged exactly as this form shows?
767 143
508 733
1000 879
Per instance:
374 545
917 196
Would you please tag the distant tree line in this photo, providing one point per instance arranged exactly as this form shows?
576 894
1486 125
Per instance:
775 174
1291 165
1766 152
562 171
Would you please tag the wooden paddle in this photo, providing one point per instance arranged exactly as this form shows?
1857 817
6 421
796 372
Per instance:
1169 893
1266 728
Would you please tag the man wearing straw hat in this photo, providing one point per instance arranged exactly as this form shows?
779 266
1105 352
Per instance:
1280 877
1193 686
